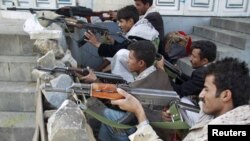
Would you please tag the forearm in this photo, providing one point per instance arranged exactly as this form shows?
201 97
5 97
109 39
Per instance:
140 114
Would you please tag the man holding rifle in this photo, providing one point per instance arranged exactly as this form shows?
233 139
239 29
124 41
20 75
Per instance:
141 59
203 53
225 97
128 21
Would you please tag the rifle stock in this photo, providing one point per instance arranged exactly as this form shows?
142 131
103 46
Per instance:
105 77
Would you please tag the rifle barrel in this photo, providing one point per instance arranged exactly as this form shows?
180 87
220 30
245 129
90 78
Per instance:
29 9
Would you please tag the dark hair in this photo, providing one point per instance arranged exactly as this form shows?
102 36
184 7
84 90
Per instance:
150 2
144 50
128 12
207 49
233 75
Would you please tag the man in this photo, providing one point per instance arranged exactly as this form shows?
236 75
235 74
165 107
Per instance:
126 17
146 10
203 53
226 92
150 13
127 20
141 59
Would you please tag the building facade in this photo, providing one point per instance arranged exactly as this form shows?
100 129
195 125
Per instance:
166 7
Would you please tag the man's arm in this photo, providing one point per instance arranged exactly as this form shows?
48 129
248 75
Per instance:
144 131
193 86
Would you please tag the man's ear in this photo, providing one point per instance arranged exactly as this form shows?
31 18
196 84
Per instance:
141 63
226 95
131 21
147 5
204 61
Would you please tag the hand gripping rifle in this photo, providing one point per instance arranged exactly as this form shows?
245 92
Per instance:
80 24
182 77
104 77
147 97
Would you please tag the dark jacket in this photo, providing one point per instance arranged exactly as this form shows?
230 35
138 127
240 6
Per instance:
156 20
192 86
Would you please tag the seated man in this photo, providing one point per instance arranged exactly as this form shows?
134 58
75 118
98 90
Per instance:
226 92
141 59
203 53
127 18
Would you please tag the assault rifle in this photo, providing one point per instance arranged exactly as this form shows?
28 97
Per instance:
104 77
70 11
108 91
80 24
88 27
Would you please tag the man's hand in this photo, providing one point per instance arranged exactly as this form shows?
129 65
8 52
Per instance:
113 15
166 115
91 38
130 104
90 78
160 64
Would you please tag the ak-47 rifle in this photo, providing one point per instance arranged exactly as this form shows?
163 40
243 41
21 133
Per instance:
80 24
88 27
104 77
108 91
70 11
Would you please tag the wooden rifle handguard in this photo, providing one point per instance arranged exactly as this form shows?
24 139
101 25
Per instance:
105 91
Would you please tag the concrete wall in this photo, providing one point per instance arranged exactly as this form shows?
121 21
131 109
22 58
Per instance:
175 23
87 55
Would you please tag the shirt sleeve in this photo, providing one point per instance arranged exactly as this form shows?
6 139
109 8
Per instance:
106 50
144 133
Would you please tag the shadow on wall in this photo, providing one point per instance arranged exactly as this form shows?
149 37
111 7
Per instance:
87 55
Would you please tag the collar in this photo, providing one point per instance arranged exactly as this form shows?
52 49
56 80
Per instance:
145 73
150 10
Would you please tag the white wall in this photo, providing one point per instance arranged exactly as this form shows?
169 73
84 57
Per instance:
101 5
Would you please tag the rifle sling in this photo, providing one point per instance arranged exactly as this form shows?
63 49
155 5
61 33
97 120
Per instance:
177 124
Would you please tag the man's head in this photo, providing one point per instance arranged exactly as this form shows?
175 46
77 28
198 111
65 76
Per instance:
203 52
143 5
141 56
127 17
226 86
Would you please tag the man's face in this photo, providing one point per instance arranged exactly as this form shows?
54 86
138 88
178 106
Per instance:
125 25
195 59
211 104
133 63
141 8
